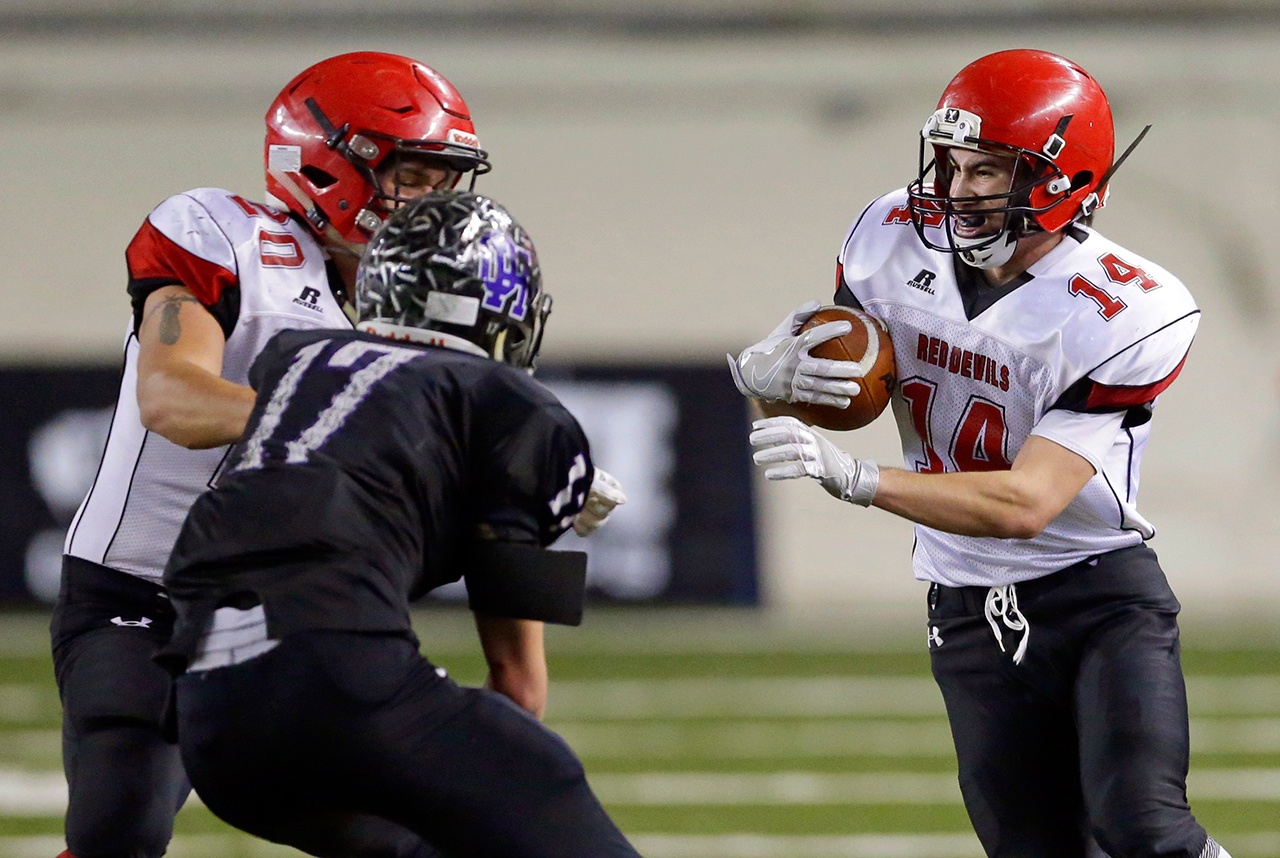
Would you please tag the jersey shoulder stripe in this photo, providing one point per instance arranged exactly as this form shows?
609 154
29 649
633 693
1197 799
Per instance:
1119 397
155 260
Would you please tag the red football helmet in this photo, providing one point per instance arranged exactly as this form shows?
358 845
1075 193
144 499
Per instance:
336 123
1044 110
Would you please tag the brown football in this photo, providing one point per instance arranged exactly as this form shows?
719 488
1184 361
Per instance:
867 343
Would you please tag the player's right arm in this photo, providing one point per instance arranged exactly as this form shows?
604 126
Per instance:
181 392
516 656
1014 503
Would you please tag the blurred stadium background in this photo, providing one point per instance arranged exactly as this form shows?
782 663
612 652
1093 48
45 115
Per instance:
752 681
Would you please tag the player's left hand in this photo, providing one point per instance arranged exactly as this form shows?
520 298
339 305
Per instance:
606 493
789 449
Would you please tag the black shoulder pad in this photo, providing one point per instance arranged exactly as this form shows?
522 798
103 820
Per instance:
525 582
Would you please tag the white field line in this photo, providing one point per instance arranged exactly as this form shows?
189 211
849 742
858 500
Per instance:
449 631
807 846
45 793
826 696
800 739
777 788
755 845
809 739
757 740
747 697
1257 694
219 845
1262 843
743 697
965 845
182 846
32 793
813 788
738 741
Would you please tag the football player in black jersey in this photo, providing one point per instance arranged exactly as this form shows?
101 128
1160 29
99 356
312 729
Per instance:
211 277
379 464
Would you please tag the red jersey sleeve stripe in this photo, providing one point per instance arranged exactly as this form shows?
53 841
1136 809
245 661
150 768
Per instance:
154 256
1106 397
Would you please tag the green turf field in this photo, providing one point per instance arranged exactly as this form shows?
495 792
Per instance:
727 734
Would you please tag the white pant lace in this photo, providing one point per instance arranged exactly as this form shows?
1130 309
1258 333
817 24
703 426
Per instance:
1002 604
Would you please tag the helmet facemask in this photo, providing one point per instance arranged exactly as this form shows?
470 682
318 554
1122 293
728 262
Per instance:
1044 111
1034 177
371 153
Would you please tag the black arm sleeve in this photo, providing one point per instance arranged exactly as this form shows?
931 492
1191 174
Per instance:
510 579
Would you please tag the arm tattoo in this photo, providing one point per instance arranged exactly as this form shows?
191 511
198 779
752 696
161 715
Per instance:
170 308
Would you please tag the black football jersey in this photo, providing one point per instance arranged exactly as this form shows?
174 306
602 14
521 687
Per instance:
367 470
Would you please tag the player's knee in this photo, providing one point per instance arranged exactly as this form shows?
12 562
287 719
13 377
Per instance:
1149 835
548 757
563 764
131 813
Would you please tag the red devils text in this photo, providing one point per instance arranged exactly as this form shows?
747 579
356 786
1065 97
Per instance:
962 362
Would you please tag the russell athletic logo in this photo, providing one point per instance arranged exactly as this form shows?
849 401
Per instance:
923 281
310 298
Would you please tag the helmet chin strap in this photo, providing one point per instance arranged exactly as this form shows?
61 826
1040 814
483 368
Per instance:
987 253
334 239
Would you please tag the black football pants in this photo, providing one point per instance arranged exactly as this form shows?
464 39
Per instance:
1088 735
125 782
333 728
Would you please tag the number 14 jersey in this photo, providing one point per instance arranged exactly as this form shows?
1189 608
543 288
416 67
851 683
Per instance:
1076 350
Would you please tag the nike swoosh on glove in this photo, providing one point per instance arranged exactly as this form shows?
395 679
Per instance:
606 494
779 367
789 449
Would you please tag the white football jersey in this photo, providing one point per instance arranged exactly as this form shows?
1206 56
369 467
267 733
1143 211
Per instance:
258 272
1075 350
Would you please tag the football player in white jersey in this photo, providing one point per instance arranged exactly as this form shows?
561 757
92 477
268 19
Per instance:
212 277
1030 352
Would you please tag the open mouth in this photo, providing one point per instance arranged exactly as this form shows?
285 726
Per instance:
972 225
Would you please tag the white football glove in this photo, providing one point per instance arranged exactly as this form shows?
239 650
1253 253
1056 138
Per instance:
606 493
789 449
779 366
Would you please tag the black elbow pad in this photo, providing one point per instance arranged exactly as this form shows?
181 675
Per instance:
525 582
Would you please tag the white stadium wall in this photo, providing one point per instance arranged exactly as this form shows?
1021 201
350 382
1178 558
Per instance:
684 194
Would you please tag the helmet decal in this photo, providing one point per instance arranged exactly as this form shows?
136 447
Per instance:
457 264
504 271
